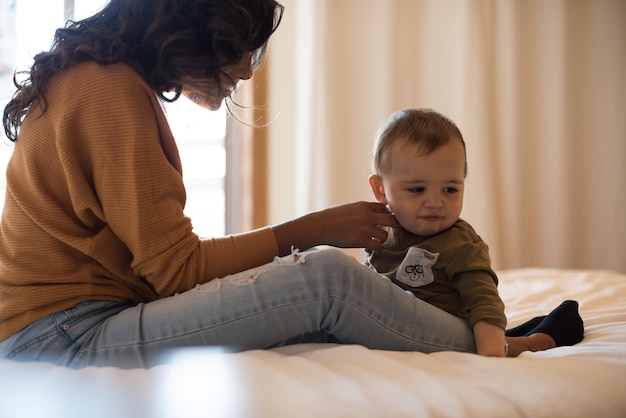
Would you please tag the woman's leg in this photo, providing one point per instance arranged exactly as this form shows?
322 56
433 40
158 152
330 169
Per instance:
262 308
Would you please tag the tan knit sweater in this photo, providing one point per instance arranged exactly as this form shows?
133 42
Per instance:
94 204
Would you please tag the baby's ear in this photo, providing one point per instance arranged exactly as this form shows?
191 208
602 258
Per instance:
376 183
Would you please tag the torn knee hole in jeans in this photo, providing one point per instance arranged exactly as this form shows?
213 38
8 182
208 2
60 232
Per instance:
248 277
243 280
294 258
240 279
210 286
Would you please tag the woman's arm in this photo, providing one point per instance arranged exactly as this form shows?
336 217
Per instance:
352 225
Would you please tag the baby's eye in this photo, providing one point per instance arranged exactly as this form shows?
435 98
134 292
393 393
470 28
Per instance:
417 189
450 190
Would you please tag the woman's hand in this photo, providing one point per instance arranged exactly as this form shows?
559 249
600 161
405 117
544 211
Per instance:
351 225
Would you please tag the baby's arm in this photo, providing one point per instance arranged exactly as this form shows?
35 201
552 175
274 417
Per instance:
489 339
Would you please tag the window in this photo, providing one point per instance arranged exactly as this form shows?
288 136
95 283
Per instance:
199 133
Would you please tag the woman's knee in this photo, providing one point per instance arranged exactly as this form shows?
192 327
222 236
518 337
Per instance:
339 272
334 262
333 257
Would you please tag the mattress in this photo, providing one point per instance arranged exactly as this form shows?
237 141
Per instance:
585 380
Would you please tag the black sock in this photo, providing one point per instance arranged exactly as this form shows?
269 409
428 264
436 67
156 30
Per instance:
523 329
563 324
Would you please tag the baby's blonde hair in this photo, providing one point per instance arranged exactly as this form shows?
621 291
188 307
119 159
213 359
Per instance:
425 128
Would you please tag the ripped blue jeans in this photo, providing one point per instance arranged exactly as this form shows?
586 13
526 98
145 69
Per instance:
313 296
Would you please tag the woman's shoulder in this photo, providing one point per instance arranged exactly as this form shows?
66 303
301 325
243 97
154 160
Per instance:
91 85
120 69
117 77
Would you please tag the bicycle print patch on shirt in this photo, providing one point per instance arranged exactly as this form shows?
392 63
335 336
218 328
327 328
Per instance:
417 267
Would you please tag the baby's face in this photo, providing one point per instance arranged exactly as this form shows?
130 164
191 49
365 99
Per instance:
425 192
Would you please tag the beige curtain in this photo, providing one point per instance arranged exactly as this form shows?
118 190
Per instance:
538 87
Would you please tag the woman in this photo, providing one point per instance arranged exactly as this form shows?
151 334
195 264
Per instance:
98 264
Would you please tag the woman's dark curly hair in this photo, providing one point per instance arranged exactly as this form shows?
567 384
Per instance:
165 41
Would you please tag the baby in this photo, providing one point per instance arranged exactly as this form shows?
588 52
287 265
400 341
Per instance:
420 167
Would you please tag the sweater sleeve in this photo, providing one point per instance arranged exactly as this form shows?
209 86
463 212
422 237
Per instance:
469 266
124 172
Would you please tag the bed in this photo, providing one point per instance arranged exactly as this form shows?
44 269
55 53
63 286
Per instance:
586 380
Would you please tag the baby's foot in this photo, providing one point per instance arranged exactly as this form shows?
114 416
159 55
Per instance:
563 324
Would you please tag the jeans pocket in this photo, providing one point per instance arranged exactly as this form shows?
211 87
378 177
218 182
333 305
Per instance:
53 338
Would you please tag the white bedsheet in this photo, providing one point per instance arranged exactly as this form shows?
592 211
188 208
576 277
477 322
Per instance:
586 380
